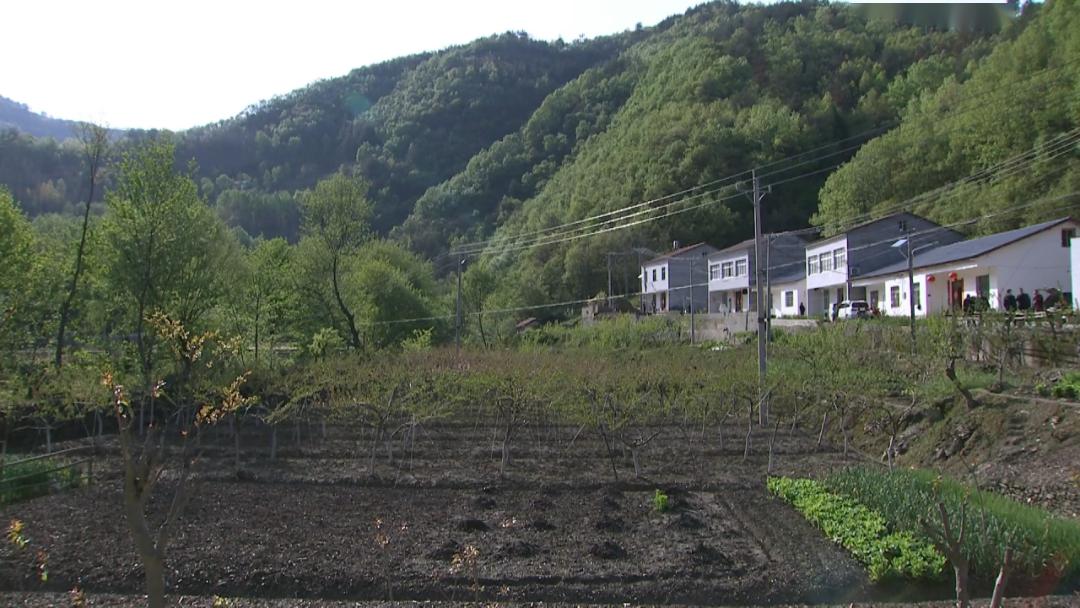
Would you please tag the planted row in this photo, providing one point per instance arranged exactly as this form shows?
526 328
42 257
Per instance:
1042 544
865 533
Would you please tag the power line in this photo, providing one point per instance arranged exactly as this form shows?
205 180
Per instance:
478 246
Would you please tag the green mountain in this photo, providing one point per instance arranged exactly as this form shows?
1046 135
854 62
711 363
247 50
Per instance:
508 135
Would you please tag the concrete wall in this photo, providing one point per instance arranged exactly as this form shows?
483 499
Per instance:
779 302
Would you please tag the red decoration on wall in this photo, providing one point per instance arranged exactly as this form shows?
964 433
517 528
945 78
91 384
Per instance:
930 278
952 276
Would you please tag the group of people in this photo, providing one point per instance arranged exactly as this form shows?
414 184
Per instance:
1022 302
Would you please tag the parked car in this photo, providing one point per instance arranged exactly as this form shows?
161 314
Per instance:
851 309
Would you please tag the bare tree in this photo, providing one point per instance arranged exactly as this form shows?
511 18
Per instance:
95 142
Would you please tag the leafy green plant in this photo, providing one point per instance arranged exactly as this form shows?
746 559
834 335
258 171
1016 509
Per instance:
886 555
24 480
661 502
1041 542
1068 387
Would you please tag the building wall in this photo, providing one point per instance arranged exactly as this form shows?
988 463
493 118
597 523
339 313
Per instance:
780 308
1075 270
835 276
648 285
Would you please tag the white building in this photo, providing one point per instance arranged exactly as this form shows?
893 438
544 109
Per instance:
1026 259
676 280
833 264
732 283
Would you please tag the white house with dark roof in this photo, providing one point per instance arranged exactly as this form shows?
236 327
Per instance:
1032 258
834 264
732 284
671 282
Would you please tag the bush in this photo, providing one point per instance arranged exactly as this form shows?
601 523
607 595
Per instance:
661 502
1041 542
1068 387
886 555
26 480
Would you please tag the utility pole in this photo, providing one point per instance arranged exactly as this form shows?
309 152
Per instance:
457 325
762 325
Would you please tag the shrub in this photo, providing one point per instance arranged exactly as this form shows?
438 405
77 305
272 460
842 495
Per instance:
1041 542
886 555
25 480
1068 387
660 501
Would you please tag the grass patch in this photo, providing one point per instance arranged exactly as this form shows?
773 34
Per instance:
1043 544
886 555
25 480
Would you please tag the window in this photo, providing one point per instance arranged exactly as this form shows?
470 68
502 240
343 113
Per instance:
727 270
812 265
1067 235
826 262
789 299
894 296
982 286
663 273
839 258
917 294
714 272
740 267
654 274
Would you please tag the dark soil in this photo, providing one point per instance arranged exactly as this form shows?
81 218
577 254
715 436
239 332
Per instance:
558 528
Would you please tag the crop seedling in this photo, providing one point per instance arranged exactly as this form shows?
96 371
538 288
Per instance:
661 502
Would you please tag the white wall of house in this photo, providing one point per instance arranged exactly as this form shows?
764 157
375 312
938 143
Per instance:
659 270
729 283
1075 270
786 298
817 275
826 274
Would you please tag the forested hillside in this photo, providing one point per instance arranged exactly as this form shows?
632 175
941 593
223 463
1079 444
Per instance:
510 136
1024 96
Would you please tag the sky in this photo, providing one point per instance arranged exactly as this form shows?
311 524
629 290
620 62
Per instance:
177 64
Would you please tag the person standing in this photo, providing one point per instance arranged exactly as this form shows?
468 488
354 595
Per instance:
1023 301
1037 303
1010 301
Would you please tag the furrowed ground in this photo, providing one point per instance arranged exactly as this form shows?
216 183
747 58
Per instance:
557 527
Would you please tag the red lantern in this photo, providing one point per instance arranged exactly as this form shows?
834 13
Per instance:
952 276
930 278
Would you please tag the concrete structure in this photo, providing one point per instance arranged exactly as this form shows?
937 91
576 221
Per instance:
1031 258
667 284
833 264
732 288
1075 269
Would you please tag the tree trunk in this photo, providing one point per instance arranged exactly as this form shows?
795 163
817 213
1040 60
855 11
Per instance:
821 433
969 399
772 439
998 598
350 319
154 570
749 430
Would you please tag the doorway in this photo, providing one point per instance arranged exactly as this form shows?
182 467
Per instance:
956 293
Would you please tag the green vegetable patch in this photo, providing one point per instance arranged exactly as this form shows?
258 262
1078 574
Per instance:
886 555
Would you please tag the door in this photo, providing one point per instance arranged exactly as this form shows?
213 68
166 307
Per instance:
874 299
956 293
738 301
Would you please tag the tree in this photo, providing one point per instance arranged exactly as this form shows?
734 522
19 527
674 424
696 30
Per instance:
335 219
263 303
95 142
166 248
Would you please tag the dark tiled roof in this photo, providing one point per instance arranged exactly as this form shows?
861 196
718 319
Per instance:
964 250
679 252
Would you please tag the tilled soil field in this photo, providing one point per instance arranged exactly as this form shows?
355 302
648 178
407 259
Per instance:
557 527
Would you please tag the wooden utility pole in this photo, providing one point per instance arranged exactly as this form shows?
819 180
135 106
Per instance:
693 332
457 324
759 281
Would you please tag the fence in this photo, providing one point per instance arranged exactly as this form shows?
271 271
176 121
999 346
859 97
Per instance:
41 474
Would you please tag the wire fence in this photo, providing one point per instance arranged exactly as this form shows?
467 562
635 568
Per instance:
45 473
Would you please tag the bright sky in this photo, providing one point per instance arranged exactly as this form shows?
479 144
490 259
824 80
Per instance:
177 64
